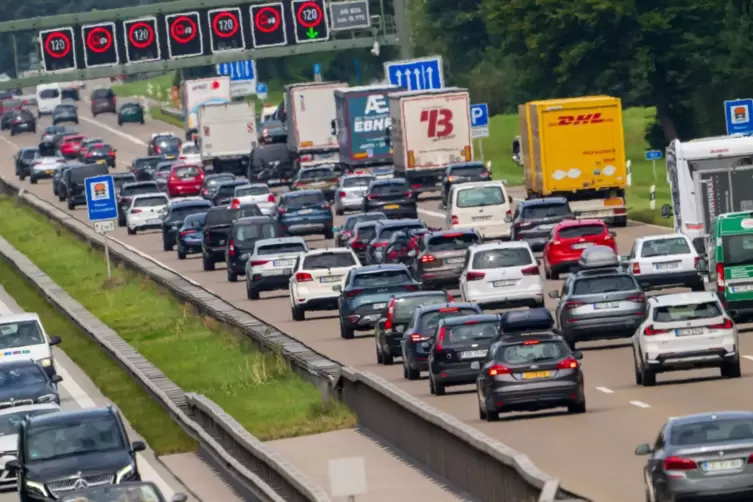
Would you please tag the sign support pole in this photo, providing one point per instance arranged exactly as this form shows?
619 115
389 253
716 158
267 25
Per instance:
481 149
654 163
107 255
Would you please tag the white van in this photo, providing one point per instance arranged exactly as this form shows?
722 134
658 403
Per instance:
22 337
483 206
48 97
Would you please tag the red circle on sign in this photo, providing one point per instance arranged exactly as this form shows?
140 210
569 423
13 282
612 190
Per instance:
141 26
91 39
61 36
303 22
225 15
272 14
179 36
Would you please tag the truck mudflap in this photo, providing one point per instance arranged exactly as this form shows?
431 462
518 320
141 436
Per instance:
613 210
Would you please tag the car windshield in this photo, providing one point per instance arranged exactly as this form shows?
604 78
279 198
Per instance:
357 181
115 493
302 200
500 258
389 188
382 278
20 334
471 170
575 232
665 247
101 94
155 201
49 94
65 108
480 196
169 144
328 260
225 216
530 352
195 221
290 247
451 241
213 182
320 172
386 233
181 213
186 172
256 231
365 233
430 320
73 438
738 249
543 211
19 376
711 430
605 284
190 149
101 150
9 422
467 334
139 189
227 190
121 180
404 307
251 191
91 141
679 313
351 222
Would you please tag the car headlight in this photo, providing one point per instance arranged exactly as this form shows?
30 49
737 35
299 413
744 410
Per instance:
46 362
124 474
35 487
47 398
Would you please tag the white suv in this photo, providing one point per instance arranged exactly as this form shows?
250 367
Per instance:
685 331
318 279
665 261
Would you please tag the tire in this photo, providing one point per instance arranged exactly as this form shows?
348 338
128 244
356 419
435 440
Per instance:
22 176
637 371
648 376
621 221
577 408
438 389
698 287
411 373
252 293
339 212
75 121
61 196
207 264
141 121
71 205
328 234
181 254
379 356
388 359
346 333
120 123
297 313
33 180
121 222
167 246
131 231
489 415
231 276
731 370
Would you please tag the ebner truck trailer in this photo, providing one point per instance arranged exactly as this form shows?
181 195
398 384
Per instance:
709 177
430 130
227 134
310 110
575 148
203 91
363 118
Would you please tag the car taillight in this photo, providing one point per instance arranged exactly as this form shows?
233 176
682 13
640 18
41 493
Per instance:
636 268
182 157
390 313
418 338
157 149
727 324
303 277
371 197
533 270
342 195
231 248
298 183
112 154
271 198
380 244
358 245
475 276
187 232
650 331
90 154
409 194
428 258
573 305
257 263
392 254
136 211
679 464
439 344
355 292
455 220
568 364
720 277
637 298
235 204
415 185
281 210
498 369
325 205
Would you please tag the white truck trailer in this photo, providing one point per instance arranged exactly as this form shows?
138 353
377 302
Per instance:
310 110
226 135
200 92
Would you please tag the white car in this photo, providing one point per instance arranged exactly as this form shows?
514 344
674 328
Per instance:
146 212
483 206
23 337
189 153
10 419
502 274
685 331
317 281
665 261
350 192
45 167
272 263
256 193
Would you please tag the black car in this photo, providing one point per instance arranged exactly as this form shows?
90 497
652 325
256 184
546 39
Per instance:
533 220
90 445
6 118
243 234
465 172
273 164
459 349
392 197
191 235
65 113
103 101
384 231
143 167
25 382
86 144
530 372
71 188
217 229
395 318
23 121
345 232
515 322
177 212
57 180
164 145
212 183
420 333
104 153
127 191
23 161
120 179
226 191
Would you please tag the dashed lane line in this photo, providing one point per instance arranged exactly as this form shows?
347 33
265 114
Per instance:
605 390
640 404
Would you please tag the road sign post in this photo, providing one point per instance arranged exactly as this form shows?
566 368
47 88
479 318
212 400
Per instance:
652 197
480 125
102 208
737 115
242 77
653 156
416 74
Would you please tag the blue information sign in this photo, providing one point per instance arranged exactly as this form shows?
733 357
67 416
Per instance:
100 198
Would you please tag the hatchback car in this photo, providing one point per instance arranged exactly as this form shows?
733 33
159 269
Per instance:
225 191
216 232
256 193
242 236
363 233
317 177
344 232
145 212
23 121
569 239
533 220
441 257
45 168
165 144
176 212
86 144
103 101
384 230
10 418
101 153
190 153
462 173
23 160
350 192
530 372
305 212
143 167
162 173
665 261
212 183
126 193
70 146
130 113
270 265
191 235
393 197
318 278
185 180
65 113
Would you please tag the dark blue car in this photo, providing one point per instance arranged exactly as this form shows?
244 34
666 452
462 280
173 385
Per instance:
305 212
191 235
177 211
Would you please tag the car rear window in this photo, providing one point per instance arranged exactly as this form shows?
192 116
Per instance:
28 154
101 94
180 213
226 190
500 258
254 231
575 232
480 197
139 189
451 242
270 249
150 201
357 181
711 431
542 211
187 172
678 313
605 284
466 334
65 108
102 150
383 278
738 249
430 320
171 144
250 191
386 233
211 182
80 173
225 216
303 200
365 233
350 223
145 163
12 103
665 247
531 351
49 94
389 188
196 220
190 149
121 180
404 307
328 260
467 170
323 172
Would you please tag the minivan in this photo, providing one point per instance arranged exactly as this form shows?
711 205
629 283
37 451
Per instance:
103 101
483 206
48 97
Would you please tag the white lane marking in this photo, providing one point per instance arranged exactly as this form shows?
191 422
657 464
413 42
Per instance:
640 404
132 139
605 390
431 213
749 358
9 142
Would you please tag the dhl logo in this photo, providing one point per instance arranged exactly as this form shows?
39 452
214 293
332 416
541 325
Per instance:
590 118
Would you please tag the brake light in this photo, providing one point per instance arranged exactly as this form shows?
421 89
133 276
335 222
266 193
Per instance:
455 220
392 254
182 157
231 248
411 287
380 244
136 211
416 337
568 364
720 277
187 232
573 305
695 261
650 331
727 324
679 464
453 235
531 342
416 185
636 268
298 183
371 197
409 194
427 258
235 204
475 276
390 313
303 277
637 298
439 344
325 205
358 245
257 263
271 198
342 195
355 292
448 309
498 369
112 154
533 270
470 323
157 149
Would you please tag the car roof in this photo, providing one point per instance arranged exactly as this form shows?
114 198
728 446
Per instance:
148 157
423 309
476 184
280 240
357 175
212 176
516 338
426 292
486 246
256 185
362 215
301 192
389 181
543 202
710 415
124 175
250 220
578 223
371 269
367 223
29 408
235 182
149 195
316 251
399 223
323 164
688 298
197 202
476 318
600 272
65 417
23 316
661 237
448 232
139 184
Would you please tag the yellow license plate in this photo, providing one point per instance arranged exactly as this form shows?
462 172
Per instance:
392 206
50 172
536 374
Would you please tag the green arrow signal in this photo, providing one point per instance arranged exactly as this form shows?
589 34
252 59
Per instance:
311 33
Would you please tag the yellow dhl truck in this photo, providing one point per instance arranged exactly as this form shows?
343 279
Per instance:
575 148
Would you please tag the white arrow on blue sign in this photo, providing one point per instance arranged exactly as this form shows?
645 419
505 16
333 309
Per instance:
415 74
100 198
242 76
653 155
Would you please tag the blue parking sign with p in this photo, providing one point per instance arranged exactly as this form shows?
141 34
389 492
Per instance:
100 198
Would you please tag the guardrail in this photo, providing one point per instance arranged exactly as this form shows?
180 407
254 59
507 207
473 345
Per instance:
469 459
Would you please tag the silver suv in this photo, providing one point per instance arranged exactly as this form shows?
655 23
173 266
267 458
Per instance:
599 304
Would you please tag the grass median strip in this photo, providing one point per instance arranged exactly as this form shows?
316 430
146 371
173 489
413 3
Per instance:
197 353
144 413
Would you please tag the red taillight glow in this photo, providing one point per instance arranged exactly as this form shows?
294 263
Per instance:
257 263
531 342
720 277
679 464
568 364
355 292
498 369
636 268
573 305
303 277
136 211
390 313
281 210
187 232
392 255
271 198
534 270
231 248
475 276
358 245
727 324
427 258
417 337
235 204
416 185
637 298
439 344
448 309
455 220
651 331
342 195
380 244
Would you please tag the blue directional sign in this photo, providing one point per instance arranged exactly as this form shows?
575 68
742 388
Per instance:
261 88
100 198
415 74
480 115
737 115
653 155
238 71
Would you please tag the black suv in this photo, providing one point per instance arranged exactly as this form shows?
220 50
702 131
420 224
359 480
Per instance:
534 220
177 212
61 452
217 229
72 186
243 234
463 173
103 101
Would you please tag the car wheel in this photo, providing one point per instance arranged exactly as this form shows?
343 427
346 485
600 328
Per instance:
167 246
620 221
577 408
731 370
346 333
698 287
141 121
437 388
12 132
636 369
339 212
131 231
252 293
33 180
489 415
297 313
121 222
413 374
388 359
75 121
181 253
21 176
71 205
379 356
61 196
328 234
648 376
120 123
207 264
231 276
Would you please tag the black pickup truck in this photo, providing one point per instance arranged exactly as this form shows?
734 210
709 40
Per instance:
216 228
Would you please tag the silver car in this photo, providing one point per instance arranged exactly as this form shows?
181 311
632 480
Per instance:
350 192
701 457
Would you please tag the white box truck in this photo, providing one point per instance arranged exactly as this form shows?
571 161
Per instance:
430 130
226 135
310 109
199 92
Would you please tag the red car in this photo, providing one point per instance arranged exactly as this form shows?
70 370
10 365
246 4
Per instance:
70 147
569 239
184 180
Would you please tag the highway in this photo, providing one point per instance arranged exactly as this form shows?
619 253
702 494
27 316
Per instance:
78 392
591 453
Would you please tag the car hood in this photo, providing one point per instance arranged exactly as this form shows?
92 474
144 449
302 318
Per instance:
26 392
72 465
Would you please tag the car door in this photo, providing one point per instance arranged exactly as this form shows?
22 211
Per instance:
653 470
564 292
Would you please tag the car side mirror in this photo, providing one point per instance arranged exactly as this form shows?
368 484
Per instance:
137 446
56 379
13 465
179 497
702 266
509 199
666 211
554 294
55 340
643 449
578 355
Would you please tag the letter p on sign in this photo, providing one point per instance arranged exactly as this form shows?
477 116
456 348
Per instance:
480 115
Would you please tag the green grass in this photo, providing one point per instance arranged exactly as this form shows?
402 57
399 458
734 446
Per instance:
143 412
163 83
157 114
199 354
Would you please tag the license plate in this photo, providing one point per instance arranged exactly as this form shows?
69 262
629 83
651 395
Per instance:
306 211
330 278
690 331
51 171
603 214
503 284
379 306
451 261
742 289
318 184
581 246
473 354
481 218
154 222
530 375
722 465
392 206
276 180
606 305
283 263
667 266
545 227
400 328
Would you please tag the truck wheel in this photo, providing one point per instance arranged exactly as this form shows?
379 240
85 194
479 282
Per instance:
621 221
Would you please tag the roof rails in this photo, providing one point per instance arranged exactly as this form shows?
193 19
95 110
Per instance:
601 270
